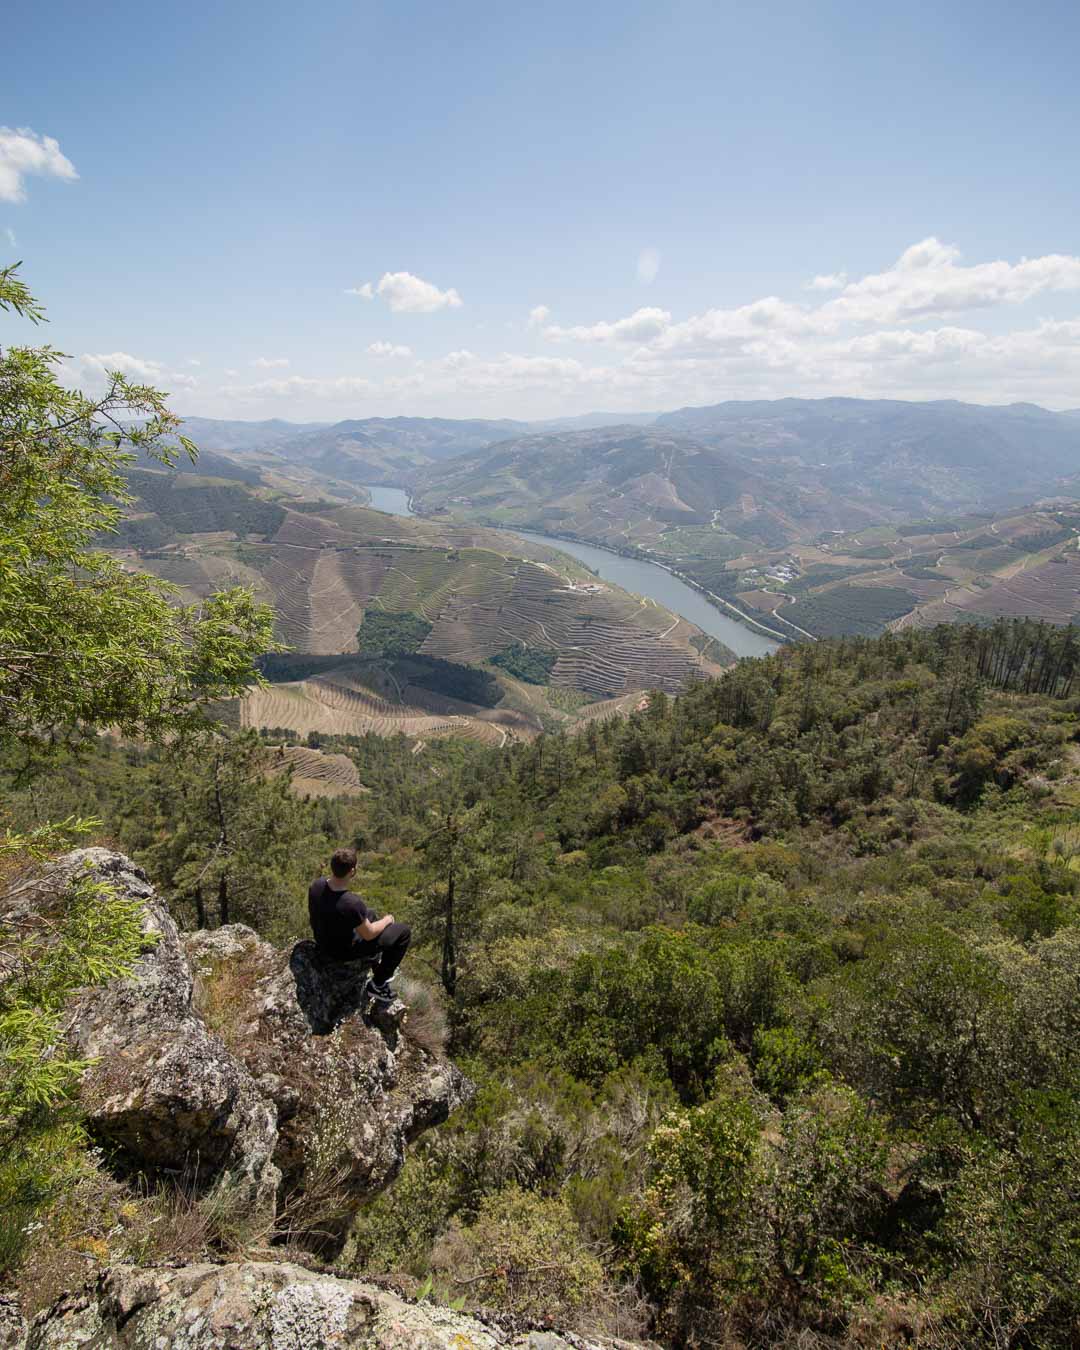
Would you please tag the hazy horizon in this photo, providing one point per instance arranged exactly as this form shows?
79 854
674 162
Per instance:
602 418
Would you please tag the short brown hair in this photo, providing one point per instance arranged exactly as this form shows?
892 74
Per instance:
343 862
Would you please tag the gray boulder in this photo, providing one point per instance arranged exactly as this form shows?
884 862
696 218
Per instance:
265 1306
162 1091
12 1325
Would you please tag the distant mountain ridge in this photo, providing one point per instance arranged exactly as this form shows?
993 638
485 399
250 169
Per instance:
946 454
763 471
886 446
219 434
359 451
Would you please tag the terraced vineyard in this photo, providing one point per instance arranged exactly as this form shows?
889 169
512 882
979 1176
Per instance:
315 774
326 570
338 703
974 568
1050 590
598 652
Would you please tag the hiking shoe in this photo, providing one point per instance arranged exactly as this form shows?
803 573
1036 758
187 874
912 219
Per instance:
381 991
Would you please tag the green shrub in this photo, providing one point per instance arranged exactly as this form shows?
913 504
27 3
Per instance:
525 1254
386 633
83 936
532 664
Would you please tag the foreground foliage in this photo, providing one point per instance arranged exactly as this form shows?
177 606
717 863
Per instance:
70 937
83 640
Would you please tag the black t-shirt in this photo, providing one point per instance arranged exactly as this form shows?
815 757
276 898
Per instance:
334 916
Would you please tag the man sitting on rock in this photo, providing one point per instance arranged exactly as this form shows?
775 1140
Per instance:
346 930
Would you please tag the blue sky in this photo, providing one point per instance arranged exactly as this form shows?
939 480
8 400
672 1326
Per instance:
347 209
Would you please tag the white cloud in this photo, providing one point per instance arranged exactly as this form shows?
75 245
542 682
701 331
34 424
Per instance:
135 366
10 233
640 326
292 387
24 153
510 371
194 361
731 327
460 373
388 349
539 314
926 326
407 294
231 373
270 362
648 265
93 369
927 281
833 281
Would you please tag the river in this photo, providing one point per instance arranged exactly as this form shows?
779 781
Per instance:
394 501
632 574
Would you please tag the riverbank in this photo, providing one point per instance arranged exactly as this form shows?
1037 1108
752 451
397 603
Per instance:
640 574
639 556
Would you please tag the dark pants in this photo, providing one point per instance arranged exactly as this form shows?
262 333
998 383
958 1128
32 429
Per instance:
387 951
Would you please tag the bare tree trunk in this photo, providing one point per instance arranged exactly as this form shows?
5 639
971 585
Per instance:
223 848
449 951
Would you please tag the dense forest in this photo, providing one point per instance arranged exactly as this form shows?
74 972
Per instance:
770 991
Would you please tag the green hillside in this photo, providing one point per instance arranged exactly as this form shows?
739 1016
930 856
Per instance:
468 601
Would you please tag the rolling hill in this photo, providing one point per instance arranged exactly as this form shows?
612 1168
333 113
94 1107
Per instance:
357 451
391 619
767 471
632 486
762 473
797 508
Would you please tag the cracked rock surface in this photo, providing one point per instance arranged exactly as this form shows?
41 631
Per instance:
257 1305
351 1089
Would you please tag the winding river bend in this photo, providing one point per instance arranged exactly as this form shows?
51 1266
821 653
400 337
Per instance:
632 574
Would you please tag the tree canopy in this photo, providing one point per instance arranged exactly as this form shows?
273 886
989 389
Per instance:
85 641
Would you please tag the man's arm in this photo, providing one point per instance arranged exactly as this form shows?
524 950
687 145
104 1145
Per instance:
367 926
367 930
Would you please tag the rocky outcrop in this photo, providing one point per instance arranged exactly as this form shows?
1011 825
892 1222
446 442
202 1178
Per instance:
161 1091
12 1324
269 1073
239 1065
265 1306
350 1087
